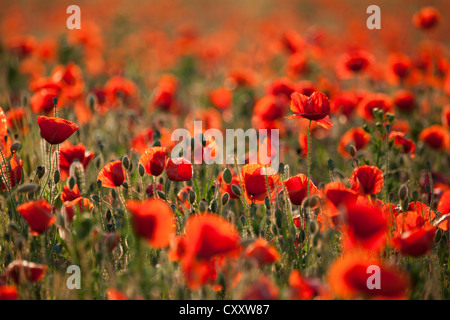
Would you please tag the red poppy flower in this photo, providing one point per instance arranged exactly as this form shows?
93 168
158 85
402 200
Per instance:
42 100
112 175
119 88
269 108
367 180
38 215
357 60
316 107
5 141
177 248
349 274
374 100
297 188
262 252
69 195
142 141
16 119
405 145
339 194
81 204
306 289
153 220
400 65
345 103
262 289
221 97
179 169
436 137
366 227
356 137
56 130
427 18
68 153
444 203
21 270
183 196
114 294
22 45
154 160
15 172
404 100
164 95
8 293
415 242
446 116
254 182
152 188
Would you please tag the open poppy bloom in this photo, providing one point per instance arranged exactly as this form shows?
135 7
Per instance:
262 289
56 130
254 180
114 294
339 194
348 277
68 153
297 188
5 140
366 227
8 293
405 145
21 270
315 107
112 175
69 195
154 160
415 242
356 137
262 252
301 288
426 18
357 60
367 180
221 97
207 237
16 119
444 207
436 137
81 204
38 215
371 101
152 220
179 169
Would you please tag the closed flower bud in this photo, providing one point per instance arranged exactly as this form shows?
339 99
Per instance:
403 192
227 176
141 170
330 164
225 198
28 188
214 206
161 194
40 171
236 190
352 150
126 162
71 183
192 197
95 197
57 177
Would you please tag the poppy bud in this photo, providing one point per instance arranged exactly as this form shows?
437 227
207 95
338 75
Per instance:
161 194
95 197
125 185
99 184
403 192
281 168
16 146
55 101
40 171
236 190
113 194
126 162
157 143
330 164
267 203
71 183
428 164
202 206
387 128
192 197
225 198
56 177
91 100
141 170
28 188
352 150
313 227
108 215
390 117
227 176
214 206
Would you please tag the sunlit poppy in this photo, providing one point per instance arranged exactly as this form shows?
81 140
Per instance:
153 220
154 160
221 97
178 169
254 182
427 18
81 204
301 288
21 270
339 194
38 215
405 145
404 100
316 107
415 242
56 130
356 137
262 252
367 180
374 100
68 154
8 293
112 175
436 137
262 289
70 194
297 188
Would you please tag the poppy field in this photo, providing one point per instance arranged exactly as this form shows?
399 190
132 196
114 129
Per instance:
339 187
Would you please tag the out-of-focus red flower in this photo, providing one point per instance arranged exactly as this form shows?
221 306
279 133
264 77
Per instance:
446 117
112 175
152 220
366 227
444 203
416 216
225 187
263 289
292 41
297 188
69 195
114 294
221 97
426 18
305 87
301 288
367 180
8 293
254 182
164 94
81 204
151 188
5 140
154 160
339 194
345 103
357 137
68 153
56 130
269 108
15 172
316 107
42 100
70 78
404 100
400 65
348 277
297 64
415 242
374 100
22 45
141 141
38 215
21 270
436 137
179 169
121 89
16 119
262 252
183 196
405 145
357 60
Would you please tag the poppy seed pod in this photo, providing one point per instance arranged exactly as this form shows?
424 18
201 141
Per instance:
403 192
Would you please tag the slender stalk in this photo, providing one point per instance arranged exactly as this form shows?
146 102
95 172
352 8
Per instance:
308 161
